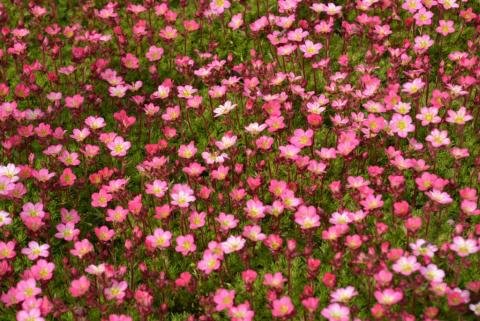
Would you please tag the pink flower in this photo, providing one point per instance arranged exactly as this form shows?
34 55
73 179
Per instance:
182 195
187 151
130 61
67 178
413 87
311 304
154 53
74 102
185 244
464 247
422 43
372 202
95 122
255 209
432 273
467 206
118 147
194 169
103 233
186 91
241 312
448 4
30 315
307 217
459 117
302 138
253 233
101 199
116 291
42 175
412 5
209 263
197 220
224 299
282 307
30 210
118 215
423 17
236 22
157 188
402 125
42 270
344 295
310 49
406 265
79 286
5 218
159 239
428 115
67 231
27 289
35 250
219 6
438 138
69 159
119 317
82 248
7 250
439 196
95 269
275 281
118 91
445 27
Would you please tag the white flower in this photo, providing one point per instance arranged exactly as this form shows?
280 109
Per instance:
224 109
233 244
475 308
5 218
10 171
255 128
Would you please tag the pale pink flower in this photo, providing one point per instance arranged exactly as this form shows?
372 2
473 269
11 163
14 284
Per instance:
307 217
464 247
459 117
157 188
182 195
119 147
413 87
116 291
310 49
388 296
35 250
406 265
336 312
438 138
233 244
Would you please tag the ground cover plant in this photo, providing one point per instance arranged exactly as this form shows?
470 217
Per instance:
239 160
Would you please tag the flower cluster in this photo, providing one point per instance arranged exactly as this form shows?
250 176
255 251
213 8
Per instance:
240 160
